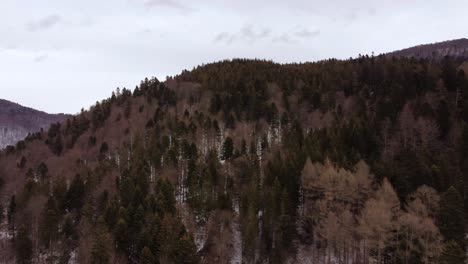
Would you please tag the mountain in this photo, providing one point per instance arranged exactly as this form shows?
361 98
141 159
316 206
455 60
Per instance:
457 48
17 121
251 161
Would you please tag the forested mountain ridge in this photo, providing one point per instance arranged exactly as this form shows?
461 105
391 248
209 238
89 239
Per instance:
17 121
457 48
338 161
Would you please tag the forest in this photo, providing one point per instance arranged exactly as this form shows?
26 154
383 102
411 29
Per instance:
363 160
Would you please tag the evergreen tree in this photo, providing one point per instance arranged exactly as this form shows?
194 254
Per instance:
49 223
452 217
452 254
101 247
443 118
68 229
165 196
121 235
42 171
23 246
74 198
11 214
146 256
287 226
59 190
185 251
228 148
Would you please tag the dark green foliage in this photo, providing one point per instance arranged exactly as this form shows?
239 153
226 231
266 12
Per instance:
228 148
42 171
449 73
185 251
10 149
443 118
121 234
103 150
22 162
92 141
74 198
11 210
54 139
99 113
165 196
59 191
20 145
452 253
101 247
49 225
23 246
146 256
75 128
452 217
68 228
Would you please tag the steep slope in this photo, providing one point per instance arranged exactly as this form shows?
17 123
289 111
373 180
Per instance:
17 121
251 161
457 48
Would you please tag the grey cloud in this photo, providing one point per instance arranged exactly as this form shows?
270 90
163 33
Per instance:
44 23
305 33
372 11
247 33
251 34
283 38
221 36
225 37
351 17
169 4
41 58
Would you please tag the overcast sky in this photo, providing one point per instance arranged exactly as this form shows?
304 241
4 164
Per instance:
62 55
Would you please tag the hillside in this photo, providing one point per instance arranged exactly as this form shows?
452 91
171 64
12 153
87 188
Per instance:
457 48
250 161
17 121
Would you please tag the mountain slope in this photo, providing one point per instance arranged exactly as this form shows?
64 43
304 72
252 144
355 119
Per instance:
17 121
457 48
251 161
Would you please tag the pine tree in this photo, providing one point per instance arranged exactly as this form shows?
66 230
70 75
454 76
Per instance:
165 196
42 171
452 217
146 256
121 234
11 214
452 254
75 195
49 223
68 229
185 251
443 118
228 148
23 246
101 247
287 226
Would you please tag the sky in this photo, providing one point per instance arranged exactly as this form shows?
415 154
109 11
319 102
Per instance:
62 55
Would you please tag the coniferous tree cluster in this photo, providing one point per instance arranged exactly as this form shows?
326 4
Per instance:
352 161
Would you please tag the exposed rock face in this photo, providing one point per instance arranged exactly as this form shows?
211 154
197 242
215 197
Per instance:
17 121
455 48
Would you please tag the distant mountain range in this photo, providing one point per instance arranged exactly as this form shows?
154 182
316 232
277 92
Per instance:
457 48
17 121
